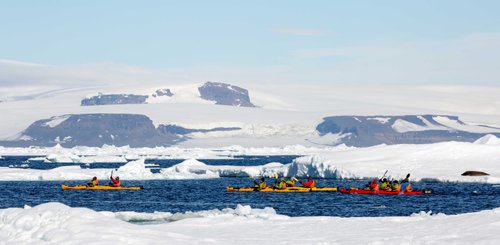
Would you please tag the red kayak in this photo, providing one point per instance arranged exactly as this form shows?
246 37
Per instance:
369 192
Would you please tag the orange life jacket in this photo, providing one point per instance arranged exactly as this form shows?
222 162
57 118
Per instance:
408 188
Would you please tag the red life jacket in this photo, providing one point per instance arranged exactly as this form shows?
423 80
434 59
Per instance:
374 185
115 182
309 184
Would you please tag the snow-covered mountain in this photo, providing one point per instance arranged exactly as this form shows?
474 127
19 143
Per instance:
225 94
220 93
258 113
104 129
409 129
139 131
114 99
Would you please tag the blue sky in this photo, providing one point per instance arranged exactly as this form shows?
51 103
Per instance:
325 38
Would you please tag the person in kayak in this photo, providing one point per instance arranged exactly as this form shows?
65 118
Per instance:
115 182
281 184
372 186
93 182
395 186
259 185
384 185
290 182
309 183
405 184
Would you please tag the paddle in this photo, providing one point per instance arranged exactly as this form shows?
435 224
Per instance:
384 174
255 183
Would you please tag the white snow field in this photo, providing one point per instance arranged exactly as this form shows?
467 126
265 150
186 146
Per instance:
56 223
440 161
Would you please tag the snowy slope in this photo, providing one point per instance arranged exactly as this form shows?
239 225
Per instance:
55 223
442 123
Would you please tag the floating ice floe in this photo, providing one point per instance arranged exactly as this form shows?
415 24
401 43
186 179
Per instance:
56 223
438 162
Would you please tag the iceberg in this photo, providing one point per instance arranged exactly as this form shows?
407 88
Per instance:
438 162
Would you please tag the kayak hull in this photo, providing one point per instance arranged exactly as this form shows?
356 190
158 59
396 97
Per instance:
328 189
369 192
289 189
101 188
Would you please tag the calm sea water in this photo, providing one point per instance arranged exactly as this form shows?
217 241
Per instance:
25 162
194 195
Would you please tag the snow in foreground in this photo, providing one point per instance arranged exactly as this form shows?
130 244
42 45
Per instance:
55 223
441 161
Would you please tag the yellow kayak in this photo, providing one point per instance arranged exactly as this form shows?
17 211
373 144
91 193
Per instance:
101 187
288 189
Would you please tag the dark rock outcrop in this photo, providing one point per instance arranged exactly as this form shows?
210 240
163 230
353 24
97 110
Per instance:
225 94
114 99
474 173
362 131
162 92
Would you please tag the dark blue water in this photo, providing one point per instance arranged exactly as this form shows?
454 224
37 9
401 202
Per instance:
25 162
194 195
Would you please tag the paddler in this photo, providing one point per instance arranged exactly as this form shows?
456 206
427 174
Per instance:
290 182
93 182
259 185
384 185
395 186
281 184
372 186
115 182
309 183
405 184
